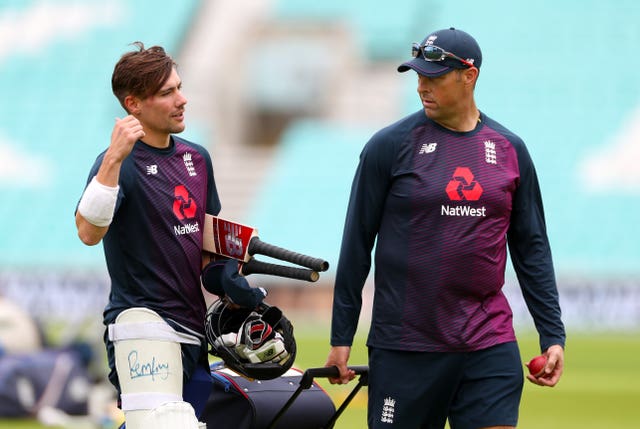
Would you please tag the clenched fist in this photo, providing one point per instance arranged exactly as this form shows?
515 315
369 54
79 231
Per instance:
125 133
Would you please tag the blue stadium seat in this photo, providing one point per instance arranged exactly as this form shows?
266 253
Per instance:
304 200
383 29
57 112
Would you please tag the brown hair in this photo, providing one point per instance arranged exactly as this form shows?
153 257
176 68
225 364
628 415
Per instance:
141 73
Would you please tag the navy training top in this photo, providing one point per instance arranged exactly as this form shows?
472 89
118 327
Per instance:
442 206
153 247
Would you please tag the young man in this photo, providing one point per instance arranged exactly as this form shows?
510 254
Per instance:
442 192
145 199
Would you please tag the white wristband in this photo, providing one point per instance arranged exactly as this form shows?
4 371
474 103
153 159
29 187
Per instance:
98 203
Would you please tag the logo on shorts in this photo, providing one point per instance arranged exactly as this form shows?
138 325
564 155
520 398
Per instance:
388 410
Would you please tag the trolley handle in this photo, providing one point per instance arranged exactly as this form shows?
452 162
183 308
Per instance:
328 372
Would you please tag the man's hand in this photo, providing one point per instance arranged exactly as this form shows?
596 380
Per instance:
339 356
126 132
552 370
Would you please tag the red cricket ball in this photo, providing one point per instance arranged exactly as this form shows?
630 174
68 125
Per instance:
536 365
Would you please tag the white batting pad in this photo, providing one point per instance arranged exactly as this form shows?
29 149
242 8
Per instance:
172 415
149 369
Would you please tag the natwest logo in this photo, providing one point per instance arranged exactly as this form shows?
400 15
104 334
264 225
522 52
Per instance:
184 207
463 187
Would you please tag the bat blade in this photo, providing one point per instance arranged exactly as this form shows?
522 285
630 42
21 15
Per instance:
241 242
227 238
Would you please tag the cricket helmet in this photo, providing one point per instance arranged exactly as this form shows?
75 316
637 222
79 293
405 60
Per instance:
257 343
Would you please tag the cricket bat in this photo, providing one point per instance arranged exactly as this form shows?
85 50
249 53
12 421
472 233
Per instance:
237 241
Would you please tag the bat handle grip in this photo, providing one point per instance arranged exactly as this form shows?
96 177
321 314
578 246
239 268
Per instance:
257 246
259 267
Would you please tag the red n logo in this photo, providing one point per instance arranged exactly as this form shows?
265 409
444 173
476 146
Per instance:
184 206
463 186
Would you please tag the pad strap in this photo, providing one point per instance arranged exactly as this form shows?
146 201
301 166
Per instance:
146 400
149 331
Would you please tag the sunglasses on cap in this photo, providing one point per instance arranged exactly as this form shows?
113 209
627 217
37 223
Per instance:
435 53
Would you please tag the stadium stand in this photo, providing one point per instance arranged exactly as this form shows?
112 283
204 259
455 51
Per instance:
285 93
56 59
298 89
381 30
303 201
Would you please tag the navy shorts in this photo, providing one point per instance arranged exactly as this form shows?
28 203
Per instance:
412 390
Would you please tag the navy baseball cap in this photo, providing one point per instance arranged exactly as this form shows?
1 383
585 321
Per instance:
443 51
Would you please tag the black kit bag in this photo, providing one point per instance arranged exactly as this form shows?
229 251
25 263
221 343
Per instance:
291 401
239 403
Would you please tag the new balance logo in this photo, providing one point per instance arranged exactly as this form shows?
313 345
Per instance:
428 148
152 169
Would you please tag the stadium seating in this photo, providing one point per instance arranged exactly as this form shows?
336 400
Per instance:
302 203
381 29
57 112
561 77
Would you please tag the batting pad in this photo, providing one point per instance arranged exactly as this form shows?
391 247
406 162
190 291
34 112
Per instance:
149 365
171 415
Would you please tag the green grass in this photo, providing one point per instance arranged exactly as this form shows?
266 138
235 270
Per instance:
599 389
600 386
19 424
